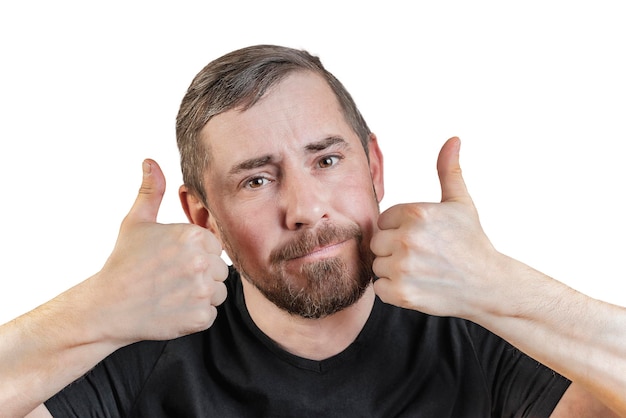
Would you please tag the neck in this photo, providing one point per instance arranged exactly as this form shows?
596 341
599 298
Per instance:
314 339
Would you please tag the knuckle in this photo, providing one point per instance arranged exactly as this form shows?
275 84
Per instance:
409 241
199 237
417 211
405 269
207 289
202 320
402 294
209 264
199 263
191 234
201 290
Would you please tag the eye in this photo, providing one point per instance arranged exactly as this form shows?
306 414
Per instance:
256 182
328 161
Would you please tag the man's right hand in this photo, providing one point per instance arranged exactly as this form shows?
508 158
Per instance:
161 281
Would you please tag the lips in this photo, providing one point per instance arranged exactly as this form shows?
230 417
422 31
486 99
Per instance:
309 243
321 250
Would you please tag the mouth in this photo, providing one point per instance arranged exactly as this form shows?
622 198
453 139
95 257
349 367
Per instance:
324 251
310 246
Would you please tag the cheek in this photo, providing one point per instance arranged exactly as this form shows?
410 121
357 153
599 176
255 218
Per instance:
247 237
361 192
360 204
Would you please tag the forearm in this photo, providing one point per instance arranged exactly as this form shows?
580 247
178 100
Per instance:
160 282
46 349
580 337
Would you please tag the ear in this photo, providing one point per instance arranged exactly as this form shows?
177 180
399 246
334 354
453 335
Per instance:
376 167
196 212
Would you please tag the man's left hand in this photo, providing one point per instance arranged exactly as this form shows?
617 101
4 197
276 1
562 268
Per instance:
435 257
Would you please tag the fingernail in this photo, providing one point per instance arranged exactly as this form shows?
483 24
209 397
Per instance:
147 168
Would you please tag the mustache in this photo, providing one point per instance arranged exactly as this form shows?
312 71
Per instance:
309 240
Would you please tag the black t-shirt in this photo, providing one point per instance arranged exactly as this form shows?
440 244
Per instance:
402 364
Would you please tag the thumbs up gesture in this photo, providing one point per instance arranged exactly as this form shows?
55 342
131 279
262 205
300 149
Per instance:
434 257
161 281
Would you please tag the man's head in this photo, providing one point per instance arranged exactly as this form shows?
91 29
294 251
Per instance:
289 178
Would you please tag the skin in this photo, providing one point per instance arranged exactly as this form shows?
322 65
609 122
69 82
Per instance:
430 257
296 194
160 282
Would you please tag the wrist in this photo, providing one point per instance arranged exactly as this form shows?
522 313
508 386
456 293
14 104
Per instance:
507 289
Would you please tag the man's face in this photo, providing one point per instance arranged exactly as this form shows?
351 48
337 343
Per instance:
293 198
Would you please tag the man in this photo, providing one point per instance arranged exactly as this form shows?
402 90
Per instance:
332 309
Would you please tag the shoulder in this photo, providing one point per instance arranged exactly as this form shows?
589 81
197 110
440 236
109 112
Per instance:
419 325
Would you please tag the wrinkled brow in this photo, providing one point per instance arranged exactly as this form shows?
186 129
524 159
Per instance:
312 147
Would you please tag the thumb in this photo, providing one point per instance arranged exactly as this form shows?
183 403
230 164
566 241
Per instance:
450 176
146 206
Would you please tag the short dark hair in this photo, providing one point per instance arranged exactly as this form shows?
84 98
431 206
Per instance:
238 80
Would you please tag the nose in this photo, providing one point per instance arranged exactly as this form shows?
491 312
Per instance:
305 201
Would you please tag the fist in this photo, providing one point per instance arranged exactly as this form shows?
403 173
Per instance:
433 257
161 281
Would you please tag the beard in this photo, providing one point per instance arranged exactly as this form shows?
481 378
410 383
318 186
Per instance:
319 288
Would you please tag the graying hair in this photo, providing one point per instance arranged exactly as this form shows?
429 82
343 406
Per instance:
238 80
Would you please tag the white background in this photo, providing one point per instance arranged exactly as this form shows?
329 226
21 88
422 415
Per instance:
536 92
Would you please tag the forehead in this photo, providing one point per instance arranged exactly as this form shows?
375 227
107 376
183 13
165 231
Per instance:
300 109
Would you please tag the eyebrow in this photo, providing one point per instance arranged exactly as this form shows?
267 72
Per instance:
326 143
252 163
